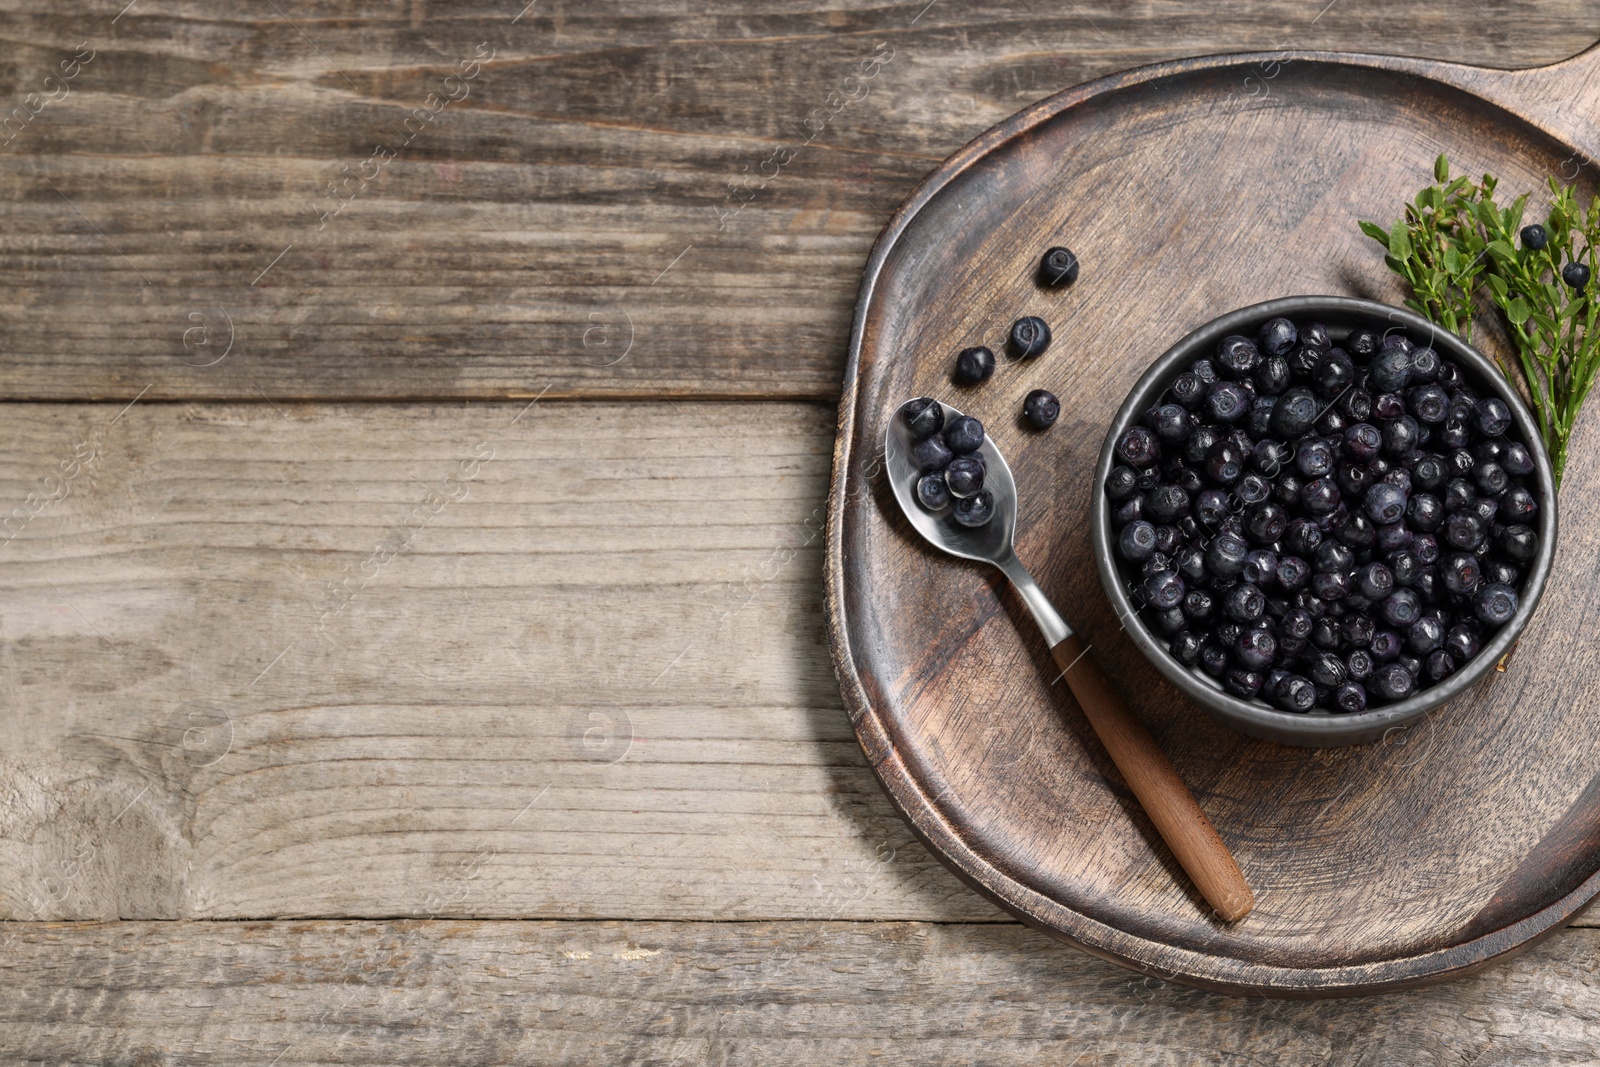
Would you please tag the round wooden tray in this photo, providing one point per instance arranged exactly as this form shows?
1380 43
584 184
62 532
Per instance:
1189 189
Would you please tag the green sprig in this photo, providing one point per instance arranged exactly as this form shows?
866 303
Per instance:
1455 243
1434 247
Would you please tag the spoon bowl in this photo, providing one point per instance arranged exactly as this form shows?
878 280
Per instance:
989 543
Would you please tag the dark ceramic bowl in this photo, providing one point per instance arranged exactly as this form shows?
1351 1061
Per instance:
1318 727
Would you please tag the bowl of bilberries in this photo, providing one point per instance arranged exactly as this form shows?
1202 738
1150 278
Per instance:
1321 517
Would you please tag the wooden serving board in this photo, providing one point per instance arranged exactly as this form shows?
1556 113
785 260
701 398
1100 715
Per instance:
1189 189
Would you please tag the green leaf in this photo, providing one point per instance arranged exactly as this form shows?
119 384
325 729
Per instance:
1498 284
1374 231
1485 213
1518 311
1502 251
1441 168
1400 240
1516 213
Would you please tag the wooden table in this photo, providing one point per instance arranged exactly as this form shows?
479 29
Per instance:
412 650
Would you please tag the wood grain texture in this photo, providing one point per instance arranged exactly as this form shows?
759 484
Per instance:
597 214
1372 868
918 995
248 669
158 758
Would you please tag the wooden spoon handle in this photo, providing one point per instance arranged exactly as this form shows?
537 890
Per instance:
1155 782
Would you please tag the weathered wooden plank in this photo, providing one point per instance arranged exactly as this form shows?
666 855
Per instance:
592 214
293 993
265 660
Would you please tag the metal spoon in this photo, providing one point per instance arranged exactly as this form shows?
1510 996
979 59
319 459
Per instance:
1168 802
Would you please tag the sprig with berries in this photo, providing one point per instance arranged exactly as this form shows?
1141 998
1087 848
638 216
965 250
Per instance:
1455 244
